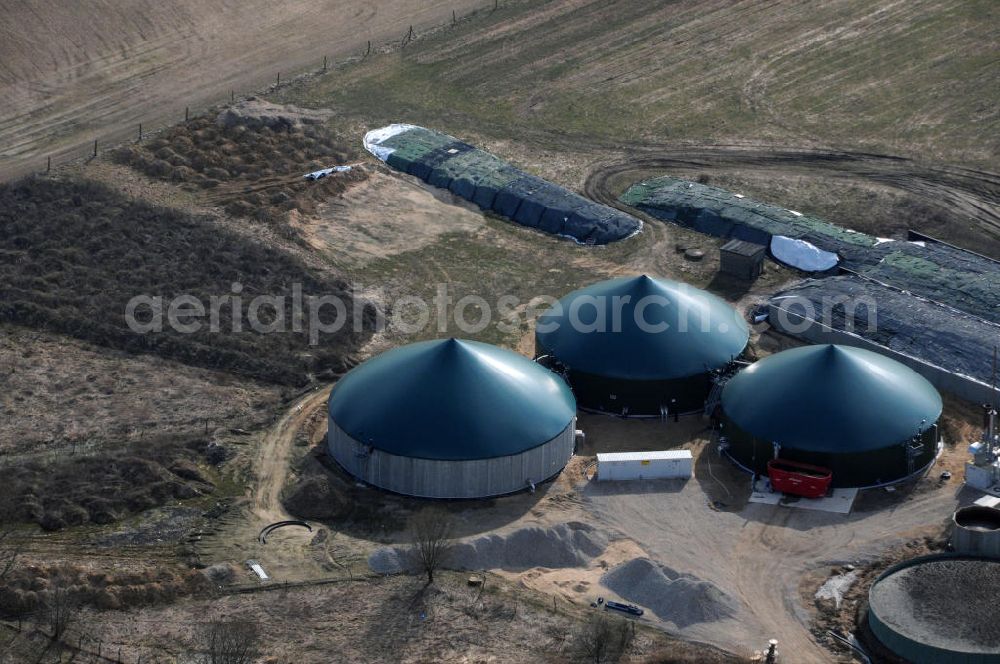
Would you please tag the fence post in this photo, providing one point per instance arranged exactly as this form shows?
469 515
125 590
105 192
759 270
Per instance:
185 114
48 168
140 132
279 78
95 147
454 19
324 63
368 52
232 96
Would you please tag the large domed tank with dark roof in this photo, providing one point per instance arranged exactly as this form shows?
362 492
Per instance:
868 418
640 346
451 419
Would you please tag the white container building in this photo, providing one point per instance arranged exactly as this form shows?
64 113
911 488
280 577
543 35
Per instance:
666 464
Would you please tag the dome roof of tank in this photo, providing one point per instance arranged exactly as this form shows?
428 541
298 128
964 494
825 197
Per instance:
642 328
831 398
452 400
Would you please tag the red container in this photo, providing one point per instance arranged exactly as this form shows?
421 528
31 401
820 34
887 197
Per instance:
799 479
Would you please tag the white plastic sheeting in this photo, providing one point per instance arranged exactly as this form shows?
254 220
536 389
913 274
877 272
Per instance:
802 255
323 172
374 138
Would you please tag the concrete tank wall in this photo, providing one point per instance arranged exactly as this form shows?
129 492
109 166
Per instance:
431 478
915 646
976 531
816 332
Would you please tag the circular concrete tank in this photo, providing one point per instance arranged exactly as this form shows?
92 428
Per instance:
938 610
451 419
976 531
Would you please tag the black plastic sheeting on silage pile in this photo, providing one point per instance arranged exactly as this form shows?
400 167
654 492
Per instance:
495 185
424 166
534 202
488 186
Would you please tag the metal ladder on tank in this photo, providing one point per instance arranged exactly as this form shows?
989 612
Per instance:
914 448
714 396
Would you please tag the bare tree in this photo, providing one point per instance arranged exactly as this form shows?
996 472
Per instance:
232 642
58 610
10 550
9 553
430 540
604 638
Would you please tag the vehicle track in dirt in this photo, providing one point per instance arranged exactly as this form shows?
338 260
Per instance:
965 194
71 74
235 537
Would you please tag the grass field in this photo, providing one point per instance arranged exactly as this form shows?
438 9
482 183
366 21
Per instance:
912 78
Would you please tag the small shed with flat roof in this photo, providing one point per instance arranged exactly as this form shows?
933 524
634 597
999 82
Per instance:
741 259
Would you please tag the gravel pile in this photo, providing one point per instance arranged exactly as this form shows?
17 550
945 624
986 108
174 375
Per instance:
566 545
389 560
682 599
946 603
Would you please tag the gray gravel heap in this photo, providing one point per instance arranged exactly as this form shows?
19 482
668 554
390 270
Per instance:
570 544
682 599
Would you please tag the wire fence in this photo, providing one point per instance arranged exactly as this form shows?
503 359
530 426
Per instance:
85 152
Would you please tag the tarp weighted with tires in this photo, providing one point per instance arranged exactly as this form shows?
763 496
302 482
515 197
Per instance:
496 186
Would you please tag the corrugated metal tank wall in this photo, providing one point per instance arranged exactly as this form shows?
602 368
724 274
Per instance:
429 478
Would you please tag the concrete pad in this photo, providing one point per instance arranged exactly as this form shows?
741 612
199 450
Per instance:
988 501
840 502
765 497
761 492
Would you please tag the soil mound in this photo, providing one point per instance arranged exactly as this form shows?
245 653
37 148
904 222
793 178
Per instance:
315 498
254 113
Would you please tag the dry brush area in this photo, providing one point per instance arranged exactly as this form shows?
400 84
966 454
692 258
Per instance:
76 252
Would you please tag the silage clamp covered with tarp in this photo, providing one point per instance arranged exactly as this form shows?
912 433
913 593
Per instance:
494 185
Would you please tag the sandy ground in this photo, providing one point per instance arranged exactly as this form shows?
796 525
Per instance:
383 216
758 553
71 73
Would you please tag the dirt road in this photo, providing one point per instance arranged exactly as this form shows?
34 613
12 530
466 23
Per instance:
235 537
74 72
758 553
